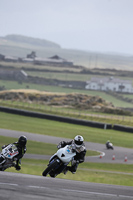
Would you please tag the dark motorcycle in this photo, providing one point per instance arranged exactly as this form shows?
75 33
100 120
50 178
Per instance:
109 145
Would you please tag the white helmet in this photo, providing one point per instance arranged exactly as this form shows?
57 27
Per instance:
78 140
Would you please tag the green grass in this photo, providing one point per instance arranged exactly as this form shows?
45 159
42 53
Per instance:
32 146
130 96
111 173
88 172
60 76
65 130
70 112
66 76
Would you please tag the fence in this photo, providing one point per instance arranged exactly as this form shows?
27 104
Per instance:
66 119
69 112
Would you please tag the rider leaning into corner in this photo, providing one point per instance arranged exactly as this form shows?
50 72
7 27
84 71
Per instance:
80 153
21 146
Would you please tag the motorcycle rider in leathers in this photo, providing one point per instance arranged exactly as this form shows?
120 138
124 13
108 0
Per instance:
80 153
21 146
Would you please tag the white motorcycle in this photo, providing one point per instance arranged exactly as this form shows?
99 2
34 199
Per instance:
7 157
60 160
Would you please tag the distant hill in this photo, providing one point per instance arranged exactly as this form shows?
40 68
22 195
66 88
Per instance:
30 40
20 46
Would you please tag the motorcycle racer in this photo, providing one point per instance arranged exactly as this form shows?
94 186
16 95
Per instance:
21 146
109 145
80 149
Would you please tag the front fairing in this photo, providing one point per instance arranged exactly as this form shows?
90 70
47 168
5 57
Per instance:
10 151
66 154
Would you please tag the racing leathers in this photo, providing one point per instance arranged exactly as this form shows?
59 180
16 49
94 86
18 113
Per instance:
78 158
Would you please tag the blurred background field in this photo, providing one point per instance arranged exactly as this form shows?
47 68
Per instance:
86 65
54 128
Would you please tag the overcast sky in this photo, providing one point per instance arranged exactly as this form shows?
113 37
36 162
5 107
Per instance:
93 25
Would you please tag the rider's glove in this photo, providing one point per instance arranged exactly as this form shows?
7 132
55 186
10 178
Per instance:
3 146
60 145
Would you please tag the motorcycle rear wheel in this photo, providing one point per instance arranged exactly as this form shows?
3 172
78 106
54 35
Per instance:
49 168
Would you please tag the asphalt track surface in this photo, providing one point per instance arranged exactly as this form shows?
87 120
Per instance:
29 187
15 186
119 153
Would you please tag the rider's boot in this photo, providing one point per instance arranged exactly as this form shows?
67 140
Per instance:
66 170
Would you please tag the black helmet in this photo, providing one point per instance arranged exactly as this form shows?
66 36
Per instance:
22 140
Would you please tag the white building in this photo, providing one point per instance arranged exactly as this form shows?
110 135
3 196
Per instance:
109 84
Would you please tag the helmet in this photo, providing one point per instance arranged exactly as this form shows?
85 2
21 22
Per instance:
22 140
78 140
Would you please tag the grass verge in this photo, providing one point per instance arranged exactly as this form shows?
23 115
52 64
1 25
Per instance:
64 130
90 115
88 172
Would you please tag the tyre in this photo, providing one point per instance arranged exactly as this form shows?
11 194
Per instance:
1 163
1 159
50 167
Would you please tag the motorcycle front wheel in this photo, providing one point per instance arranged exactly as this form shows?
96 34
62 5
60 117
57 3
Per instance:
50 167
2 160
1 163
